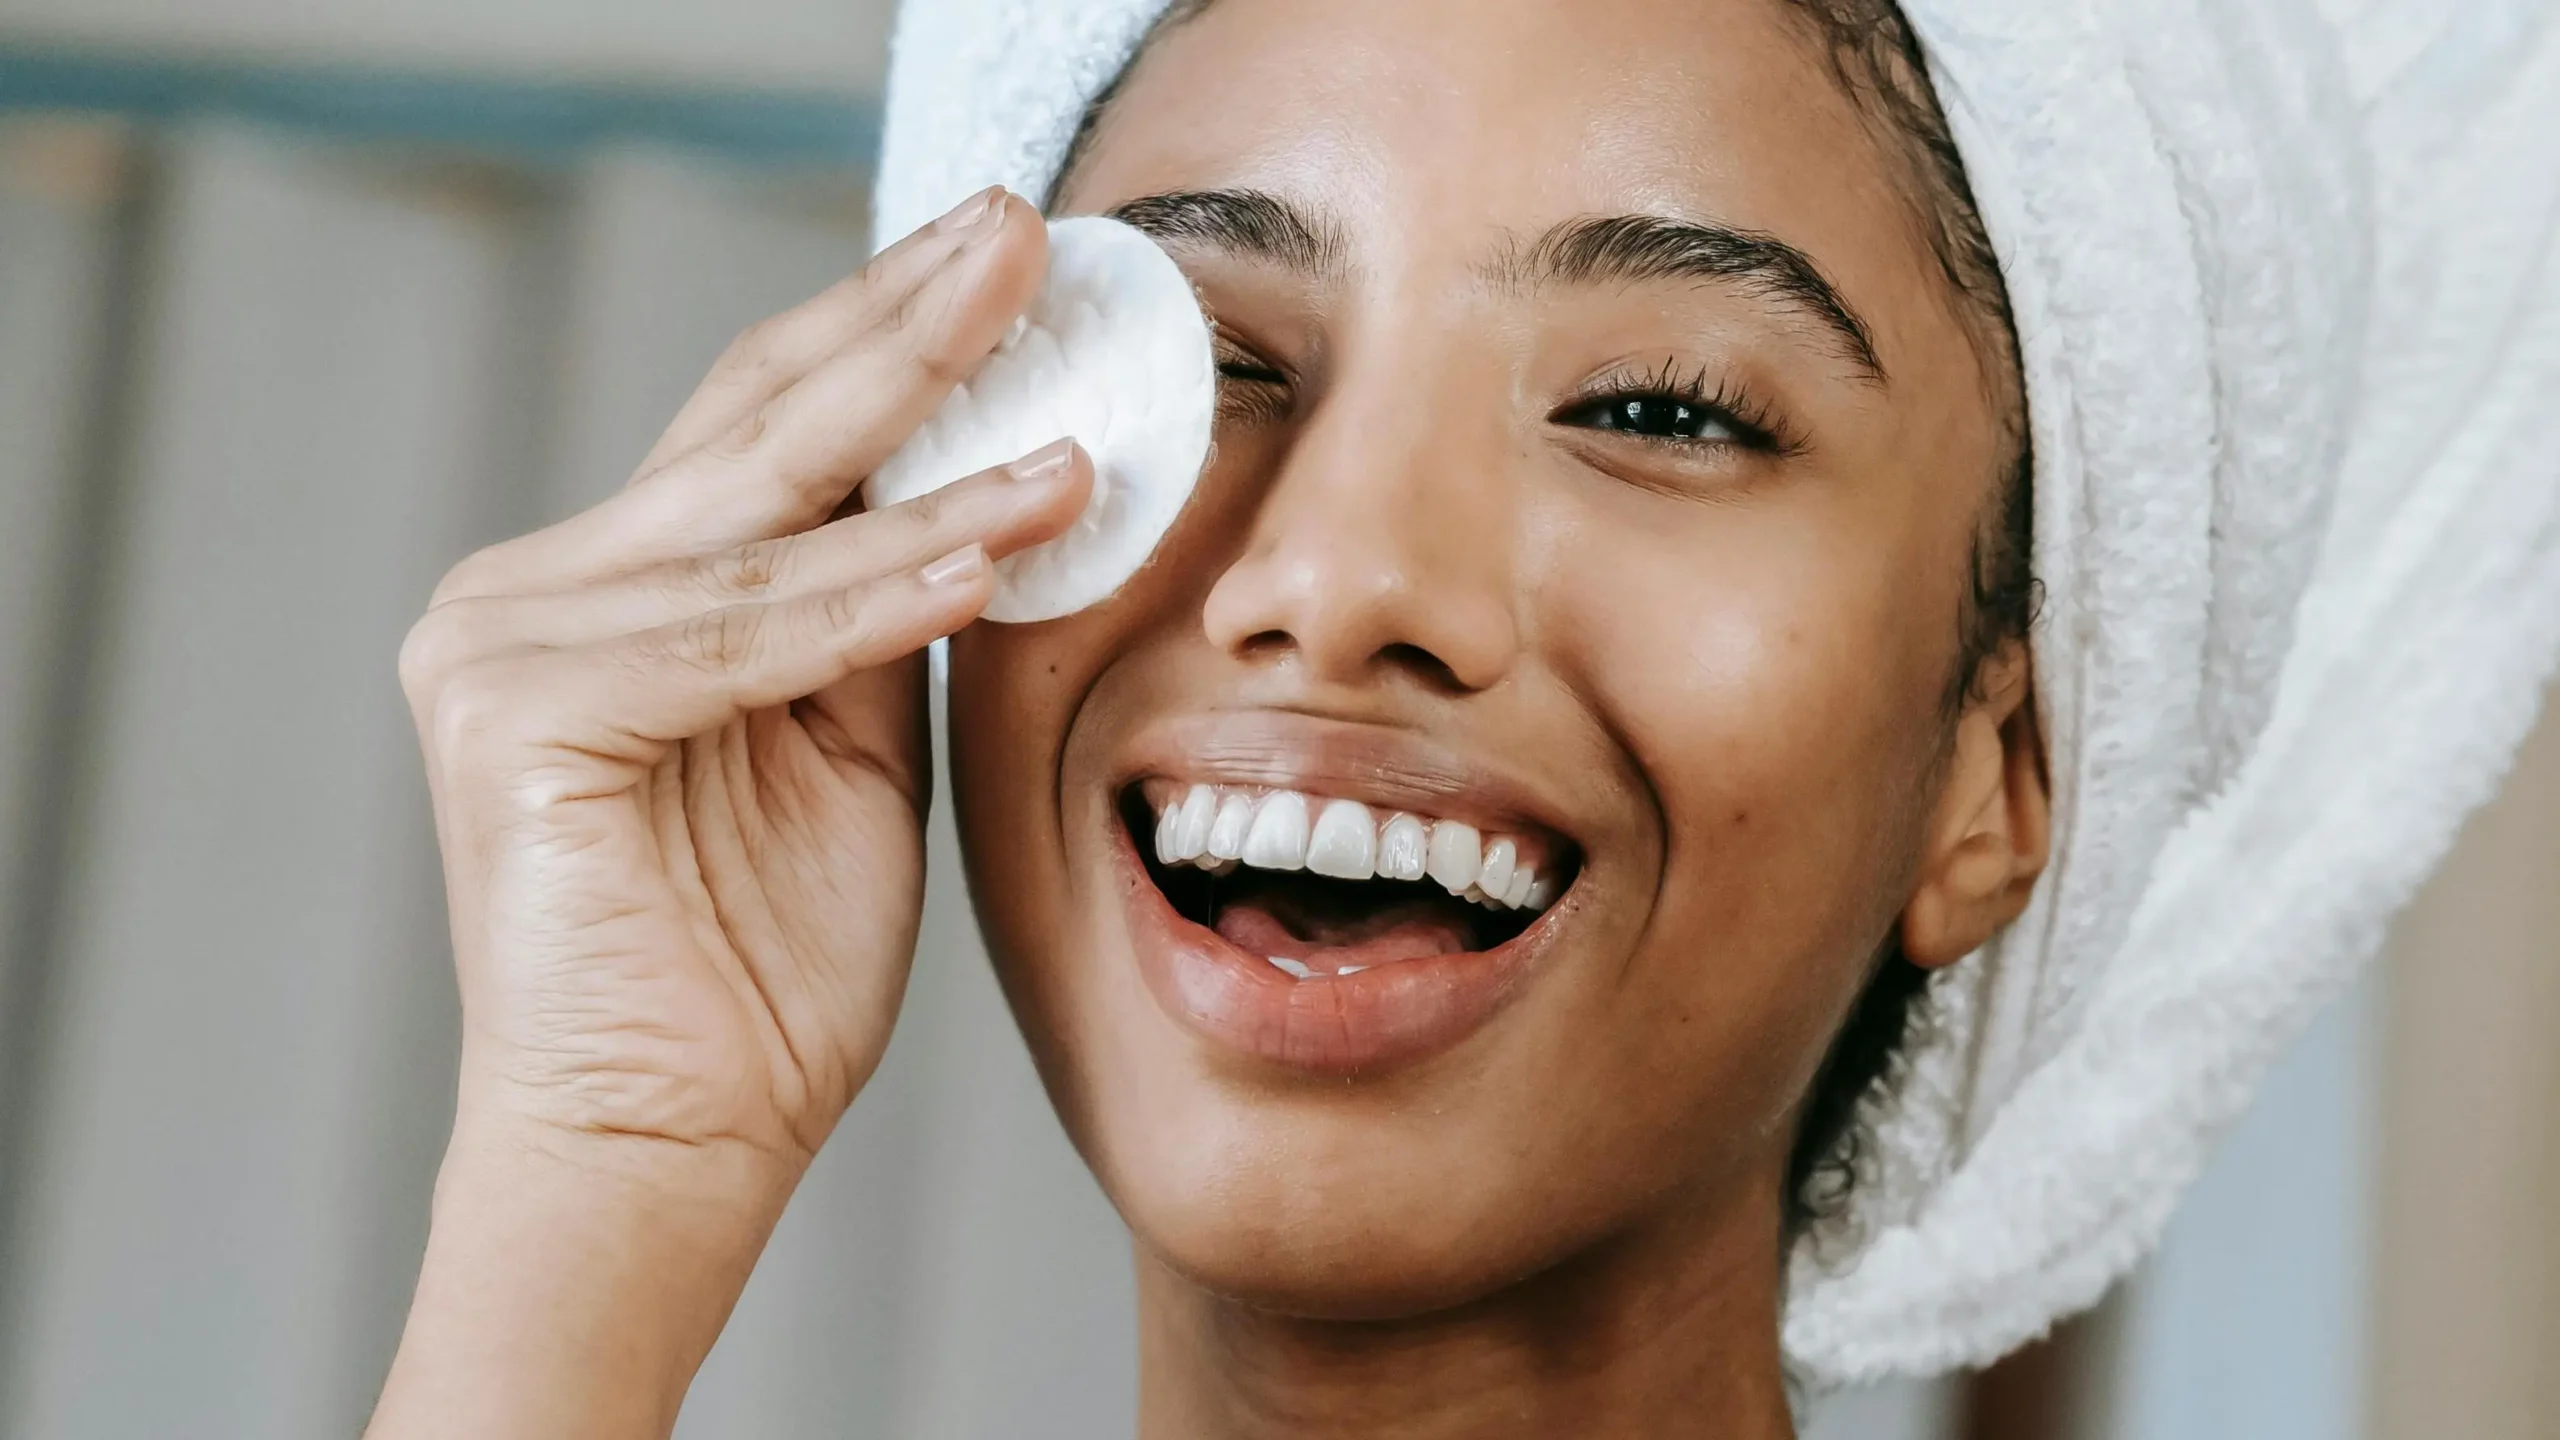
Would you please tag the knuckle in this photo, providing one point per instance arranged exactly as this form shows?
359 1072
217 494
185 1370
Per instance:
752 571
899 315
941 367
846 614
477 702
721 640
749 572
755 346
449 636
426 655
926 511
741 440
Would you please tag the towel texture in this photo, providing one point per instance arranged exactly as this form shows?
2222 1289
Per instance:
2287 283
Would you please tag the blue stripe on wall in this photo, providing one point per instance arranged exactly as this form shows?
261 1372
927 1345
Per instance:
521 117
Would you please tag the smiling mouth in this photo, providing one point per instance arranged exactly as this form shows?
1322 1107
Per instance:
1322 888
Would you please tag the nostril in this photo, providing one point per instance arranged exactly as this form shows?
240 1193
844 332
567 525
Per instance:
1266 642
1423 666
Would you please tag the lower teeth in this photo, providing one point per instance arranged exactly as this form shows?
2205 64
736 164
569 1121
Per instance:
1300 971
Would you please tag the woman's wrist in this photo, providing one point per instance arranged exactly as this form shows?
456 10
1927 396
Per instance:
573 1283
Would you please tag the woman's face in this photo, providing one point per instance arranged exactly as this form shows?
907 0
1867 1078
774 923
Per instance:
1599 463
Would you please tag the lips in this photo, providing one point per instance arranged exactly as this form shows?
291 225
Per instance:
1354 951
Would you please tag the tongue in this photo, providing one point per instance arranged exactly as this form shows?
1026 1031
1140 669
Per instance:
1267 925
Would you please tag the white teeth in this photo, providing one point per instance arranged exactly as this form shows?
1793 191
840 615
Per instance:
1345 843
1216 829
1453 856
1228 831
1292 967
1516 894
1191 823
1278 840
1404 849
1500 859
1350 969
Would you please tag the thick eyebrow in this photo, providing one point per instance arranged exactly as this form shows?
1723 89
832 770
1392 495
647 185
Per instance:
1247 222
1634 249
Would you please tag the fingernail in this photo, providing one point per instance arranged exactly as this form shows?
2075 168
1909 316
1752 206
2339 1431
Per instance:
1046 463
970 212
957 568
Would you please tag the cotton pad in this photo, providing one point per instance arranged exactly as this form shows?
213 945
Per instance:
1114 352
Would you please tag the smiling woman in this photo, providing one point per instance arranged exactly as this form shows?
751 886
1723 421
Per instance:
1581 511
1468 894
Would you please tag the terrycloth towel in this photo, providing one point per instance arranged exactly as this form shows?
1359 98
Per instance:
2287 284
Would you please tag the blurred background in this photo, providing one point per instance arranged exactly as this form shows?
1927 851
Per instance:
301 301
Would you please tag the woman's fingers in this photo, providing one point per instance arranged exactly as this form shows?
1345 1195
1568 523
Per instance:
791 460
774 355
792 463
545 717
1004 511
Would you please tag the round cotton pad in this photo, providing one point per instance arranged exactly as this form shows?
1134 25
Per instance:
1114 352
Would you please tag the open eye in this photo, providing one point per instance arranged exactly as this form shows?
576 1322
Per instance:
1669 408
1656 417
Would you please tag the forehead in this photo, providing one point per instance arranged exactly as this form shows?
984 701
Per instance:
1444 129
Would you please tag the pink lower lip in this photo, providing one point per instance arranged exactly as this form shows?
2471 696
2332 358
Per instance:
1378 1019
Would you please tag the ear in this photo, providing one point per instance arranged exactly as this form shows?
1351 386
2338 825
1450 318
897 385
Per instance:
1989 836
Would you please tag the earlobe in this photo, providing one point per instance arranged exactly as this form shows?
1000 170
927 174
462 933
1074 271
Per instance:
1988 840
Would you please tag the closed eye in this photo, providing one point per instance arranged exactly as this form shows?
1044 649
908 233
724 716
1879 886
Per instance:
1250 389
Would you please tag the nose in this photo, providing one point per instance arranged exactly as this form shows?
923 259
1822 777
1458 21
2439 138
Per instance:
1379 548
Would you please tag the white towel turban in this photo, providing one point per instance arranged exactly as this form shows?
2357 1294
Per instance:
2288 297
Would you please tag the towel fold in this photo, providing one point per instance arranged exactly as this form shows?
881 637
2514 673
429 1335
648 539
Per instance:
2286 276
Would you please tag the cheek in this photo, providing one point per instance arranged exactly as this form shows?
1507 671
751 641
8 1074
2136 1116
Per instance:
1781 698
1004 688
1013 695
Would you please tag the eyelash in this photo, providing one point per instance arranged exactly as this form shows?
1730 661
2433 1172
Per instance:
1248 389
1722 401
1252 390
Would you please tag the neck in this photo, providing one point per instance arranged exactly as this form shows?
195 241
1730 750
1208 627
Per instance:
1670 1330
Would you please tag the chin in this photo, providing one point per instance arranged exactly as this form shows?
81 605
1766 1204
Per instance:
1377 1238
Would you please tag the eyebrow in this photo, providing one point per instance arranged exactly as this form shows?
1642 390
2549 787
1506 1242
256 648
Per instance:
1637 249
1248 222
1597 250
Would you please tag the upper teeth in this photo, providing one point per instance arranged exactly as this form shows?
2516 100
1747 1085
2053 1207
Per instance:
1214 827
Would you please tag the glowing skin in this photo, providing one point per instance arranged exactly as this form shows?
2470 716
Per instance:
1715 671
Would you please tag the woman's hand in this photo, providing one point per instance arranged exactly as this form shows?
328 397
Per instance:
678 753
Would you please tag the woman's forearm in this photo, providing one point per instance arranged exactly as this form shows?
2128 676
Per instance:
573 1285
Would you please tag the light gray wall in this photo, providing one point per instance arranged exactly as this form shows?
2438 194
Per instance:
821 44
59 187
223 1118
